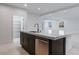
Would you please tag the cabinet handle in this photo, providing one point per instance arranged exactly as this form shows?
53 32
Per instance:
44 41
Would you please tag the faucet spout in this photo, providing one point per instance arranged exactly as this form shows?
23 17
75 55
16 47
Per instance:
37 26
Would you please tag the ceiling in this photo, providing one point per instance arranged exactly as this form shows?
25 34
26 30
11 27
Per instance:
45 8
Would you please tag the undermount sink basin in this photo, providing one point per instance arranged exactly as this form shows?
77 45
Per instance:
34 31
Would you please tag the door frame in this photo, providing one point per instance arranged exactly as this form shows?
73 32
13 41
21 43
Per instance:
12 25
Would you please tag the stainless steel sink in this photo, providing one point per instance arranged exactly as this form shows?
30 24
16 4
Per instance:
34 31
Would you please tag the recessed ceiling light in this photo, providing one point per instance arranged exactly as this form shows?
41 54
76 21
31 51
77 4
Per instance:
25 5
39 9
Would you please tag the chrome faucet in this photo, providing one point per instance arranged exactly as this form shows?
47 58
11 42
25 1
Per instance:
37 26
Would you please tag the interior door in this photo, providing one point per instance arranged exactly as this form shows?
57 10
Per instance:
17 26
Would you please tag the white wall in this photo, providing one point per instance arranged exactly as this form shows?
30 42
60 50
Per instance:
6 22
6 16
31 20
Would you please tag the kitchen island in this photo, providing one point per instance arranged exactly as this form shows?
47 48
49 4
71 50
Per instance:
56 42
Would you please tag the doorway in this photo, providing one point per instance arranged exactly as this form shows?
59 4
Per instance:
18 26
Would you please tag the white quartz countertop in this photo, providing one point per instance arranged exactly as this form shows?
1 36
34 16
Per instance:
53 36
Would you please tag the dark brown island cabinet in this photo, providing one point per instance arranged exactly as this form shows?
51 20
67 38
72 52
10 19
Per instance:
53 47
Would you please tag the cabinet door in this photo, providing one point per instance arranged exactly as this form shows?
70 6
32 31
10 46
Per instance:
32 44
21 38
26 42
57 47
